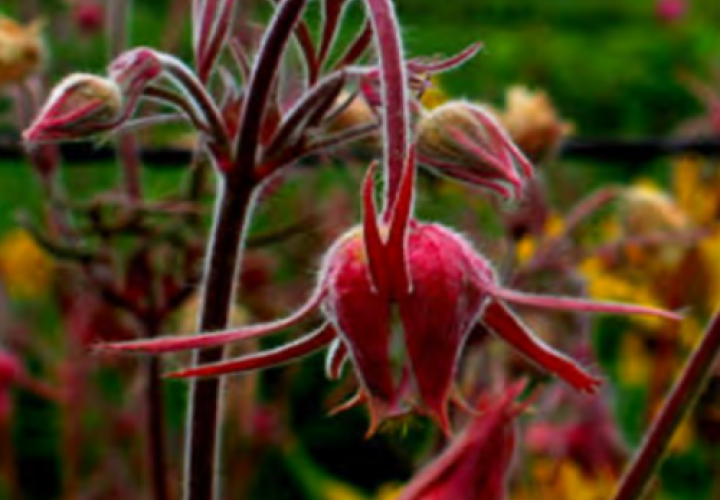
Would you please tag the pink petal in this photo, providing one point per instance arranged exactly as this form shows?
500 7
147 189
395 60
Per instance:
397 240
438 315
374 246
362 319
503 323
573 304
264 359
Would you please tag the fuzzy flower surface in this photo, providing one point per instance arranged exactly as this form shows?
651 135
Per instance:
84 105
476 464
425 274
465 141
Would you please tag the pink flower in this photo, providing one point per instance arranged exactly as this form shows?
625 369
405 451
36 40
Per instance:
476 464
89 16
670 10
440 287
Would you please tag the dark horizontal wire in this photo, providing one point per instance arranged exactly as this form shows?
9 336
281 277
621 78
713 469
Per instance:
633 152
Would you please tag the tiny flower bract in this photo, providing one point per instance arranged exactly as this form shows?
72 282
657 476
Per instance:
439 285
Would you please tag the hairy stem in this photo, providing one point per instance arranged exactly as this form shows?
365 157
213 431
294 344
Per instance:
676 407
232 213
396 114
234 203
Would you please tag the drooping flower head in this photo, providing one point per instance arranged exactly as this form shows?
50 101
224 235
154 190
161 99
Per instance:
440 286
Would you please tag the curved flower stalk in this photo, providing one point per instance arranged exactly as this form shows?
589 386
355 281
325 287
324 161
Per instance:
441 287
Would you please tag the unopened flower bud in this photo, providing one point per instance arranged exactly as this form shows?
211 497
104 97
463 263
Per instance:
80 106
533 123
134 69
21 50
465 141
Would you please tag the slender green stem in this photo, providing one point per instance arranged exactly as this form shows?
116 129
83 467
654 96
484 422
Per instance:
676 407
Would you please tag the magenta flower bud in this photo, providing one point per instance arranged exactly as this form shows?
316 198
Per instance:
89 16
10 369
466 142
84 105
134 69
475 466
81 105
670 11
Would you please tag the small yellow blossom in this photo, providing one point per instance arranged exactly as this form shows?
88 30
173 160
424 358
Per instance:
683 438
434 95
564 481
21 50
710 249
389 492
335 490
527 246
636 367
696 189
25 269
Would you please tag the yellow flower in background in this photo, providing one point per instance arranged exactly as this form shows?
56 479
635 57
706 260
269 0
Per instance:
25 269
389 492
527 246
637 365
434 95
21 50
564 480
710 250
696 189
335 490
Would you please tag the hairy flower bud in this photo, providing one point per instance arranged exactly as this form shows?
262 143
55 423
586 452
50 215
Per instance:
476 464
21 50
134 69
533 122
81 105
465 141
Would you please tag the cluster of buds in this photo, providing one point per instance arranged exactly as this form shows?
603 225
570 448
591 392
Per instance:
21 50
